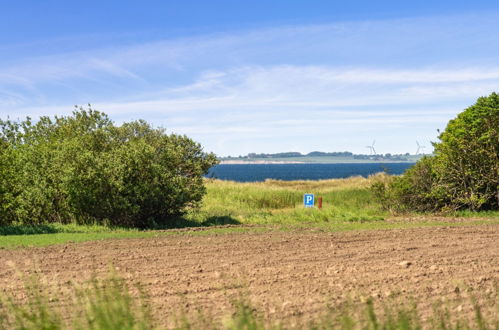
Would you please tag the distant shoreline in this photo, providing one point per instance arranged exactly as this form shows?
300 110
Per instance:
238 162
269 162
317 157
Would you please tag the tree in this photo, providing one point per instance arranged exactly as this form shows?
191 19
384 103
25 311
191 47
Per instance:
464 171
84 169
467 158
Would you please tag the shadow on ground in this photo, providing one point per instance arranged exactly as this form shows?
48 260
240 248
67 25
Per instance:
28 230
211 221
172 224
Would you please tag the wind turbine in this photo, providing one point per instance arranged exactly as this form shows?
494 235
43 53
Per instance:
419 148
371 148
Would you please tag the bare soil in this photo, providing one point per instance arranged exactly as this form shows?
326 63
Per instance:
286 275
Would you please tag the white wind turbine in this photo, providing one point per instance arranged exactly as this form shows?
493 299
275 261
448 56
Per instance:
420 147
371 148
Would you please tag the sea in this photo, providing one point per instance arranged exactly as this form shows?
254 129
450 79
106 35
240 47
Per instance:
288 172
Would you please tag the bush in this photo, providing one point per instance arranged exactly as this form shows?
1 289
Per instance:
84 169
467 158
464 171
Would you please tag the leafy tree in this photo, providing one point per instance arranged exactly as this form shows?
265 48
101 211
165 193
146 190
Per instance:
464 171
467 158
84 169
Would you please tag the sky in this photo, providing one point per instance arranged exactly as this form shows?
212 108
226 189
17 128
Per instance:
255 76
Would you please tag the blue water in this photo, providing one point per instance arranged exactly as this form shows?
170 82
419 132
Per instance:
287 172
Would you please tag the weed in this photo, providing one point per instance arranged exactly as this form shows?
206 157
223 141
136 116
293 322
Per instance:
108 304
100 304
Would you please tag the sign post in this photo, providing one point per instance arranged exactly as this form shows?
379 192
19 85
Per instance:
308 200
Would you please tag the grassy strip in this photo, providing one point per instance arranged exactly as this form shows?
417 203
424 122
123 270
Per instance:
383 225
19 241
40 240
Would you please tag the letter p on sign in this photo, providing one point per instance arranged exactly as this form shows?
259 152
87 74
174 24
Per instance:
308 200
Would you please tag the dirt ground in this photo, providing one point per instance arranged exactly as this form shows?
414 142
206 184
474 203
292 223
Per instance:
284 274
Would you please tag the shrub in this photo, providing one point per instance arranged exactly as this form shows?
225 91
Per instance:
464 171
84 169
467 158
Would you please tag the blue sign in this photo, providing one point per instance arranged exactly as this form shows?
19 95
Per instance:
308 200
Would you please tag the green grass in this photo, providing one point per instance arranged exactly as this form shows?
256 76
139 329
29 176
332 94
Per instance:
16 241
19 229
275 202
472 214
100 304
348 204
40 240
368 315
109 303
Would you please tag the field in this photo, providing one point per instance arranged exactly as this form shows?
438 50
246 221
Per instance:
255 258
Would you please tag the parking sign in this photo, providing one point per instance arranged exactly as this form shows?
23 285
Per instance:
308 200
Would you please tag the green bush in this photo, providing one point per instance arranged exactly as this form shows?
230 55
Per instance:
84 169
467 157
464 171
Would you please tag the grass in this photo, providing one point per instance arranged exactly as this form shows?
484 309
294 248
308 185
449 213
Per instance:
348 204
99 304
109 303
482 214
40 240
274 201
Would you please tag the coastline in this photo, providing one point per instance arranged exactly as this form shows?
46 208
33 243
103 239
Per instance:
239 162
271 162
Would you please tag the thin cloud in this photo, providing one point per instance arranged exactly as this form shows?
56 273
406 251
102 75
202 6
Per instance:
373 77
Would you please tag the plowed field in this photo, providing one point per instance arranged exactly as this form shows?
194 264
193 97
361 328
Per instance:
290 274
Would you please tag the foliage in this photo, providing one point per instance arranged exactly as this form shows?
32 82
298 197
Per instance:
270 205
84 169
468 156
414 191
462 174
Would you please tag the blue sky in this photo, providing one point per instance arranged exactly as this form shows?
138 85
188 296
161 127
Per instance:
255 76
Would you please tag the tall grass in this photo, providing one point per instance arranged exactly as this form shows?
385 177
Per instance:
34 313
274 201
108 304
99 304
349 200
